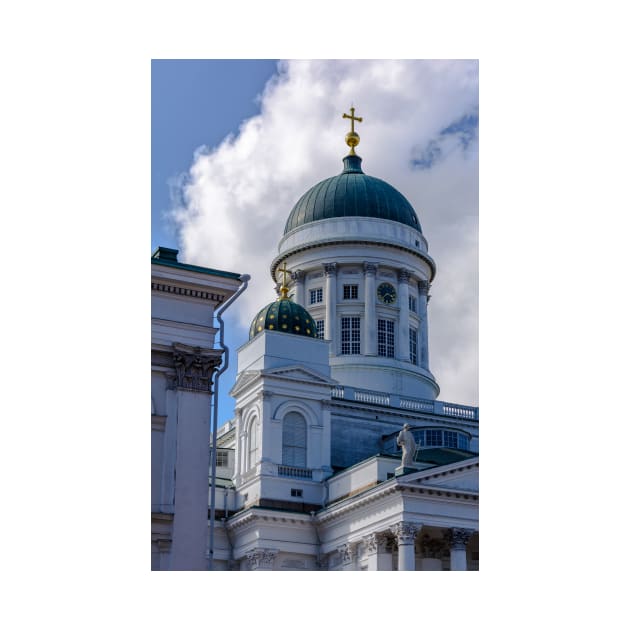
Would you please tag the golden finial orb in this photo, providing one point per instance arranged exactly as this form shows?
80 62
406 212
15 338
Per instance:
352 137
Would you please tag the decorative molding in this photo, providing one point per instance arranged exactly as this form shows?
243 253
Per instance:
187 292
423 287
330 269
458 538
326 243
347 552
164 544
314 276
193 367
261 558
265 394
405 532
376 542
404 275
370 269
298 275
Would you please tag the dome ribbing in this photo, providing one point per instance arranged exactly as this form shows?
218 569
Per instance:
352 193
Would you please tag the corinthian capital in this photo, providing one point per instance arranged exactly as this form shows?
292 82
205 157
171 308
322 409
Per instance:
297 275
193 367
376 542
458 538
423 287
261 558
330 269
370 268
404 275
405 532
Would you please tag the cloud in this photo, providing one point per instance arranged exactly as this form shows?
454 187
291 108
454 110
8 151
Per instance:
419 133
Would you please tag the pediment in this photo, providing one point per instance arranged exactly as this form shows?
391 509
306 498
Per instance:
243 380
299 373
462 475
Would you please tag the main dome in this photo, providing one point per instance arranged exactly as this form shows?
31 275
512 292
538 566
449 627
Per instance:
352 193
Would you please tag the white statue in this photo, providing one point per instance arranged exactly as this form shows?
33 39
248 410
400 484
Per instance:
408 444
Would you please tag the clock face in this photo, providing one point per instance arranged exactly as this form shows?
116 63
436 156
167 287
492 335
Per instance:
386 293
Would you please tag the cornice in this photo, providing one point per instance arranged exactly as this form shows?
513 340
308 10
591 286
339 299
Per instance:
253 514
182 290
300 248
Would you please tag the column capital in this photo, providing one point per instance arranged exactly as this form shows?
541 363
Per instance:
347 552
405 532
375 542
404 275
297 275
261 558
370 269
458 538
423 287
330 269
193 367
265 395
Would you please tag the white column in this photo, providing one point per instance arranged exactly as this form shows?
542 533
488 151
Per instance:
330 269
406 534
458 538
402 352
423 299
369 321
298 279
379 558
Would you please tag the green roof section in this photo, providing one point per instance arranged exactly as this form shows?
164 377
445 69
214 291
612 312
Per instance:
441 456
285 316
352 193
168 258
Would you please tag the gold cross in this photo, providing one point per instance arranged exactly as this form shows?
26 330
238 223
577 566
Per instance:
352 118
284 290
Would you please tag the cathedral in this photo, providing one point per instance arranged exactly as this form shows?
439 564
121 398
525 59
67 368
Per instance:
340 456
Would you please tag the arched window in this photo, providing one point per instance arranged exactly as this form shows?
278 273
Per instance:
294 440
252 444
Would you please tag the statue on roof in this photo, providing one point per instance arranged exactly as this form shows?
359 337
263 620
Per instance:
406 441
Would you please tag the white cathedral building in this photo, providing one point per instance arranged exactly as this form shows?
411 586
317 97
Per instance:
309 473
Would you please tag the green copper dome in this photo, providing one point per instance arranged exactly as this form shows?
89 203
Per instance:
352 194
284 315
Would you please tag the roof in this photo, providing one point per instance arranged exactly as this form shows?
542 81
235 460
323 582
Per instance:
443 455
352 193
283 315
168 257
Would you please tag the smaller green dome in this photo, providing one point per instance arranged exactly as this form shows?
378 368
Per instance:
283 315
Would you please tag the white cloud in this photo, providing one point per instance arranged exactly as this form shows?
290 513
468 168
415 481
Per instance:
238 196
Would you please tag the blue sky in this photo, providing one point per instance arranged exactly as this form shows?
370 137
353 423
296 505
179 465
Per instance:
195 102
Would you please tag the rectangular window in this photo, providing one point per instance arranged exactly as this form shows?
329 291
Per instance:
317 295
320 328
386 338
434 437
413 304
222 458
350 335
350 291
296 492
450 439
413 345
462 442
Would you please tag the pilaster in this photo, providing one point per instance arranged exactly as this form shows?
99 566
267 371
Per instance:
378 551
369 322
403 315
330 270
423 299
298 279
